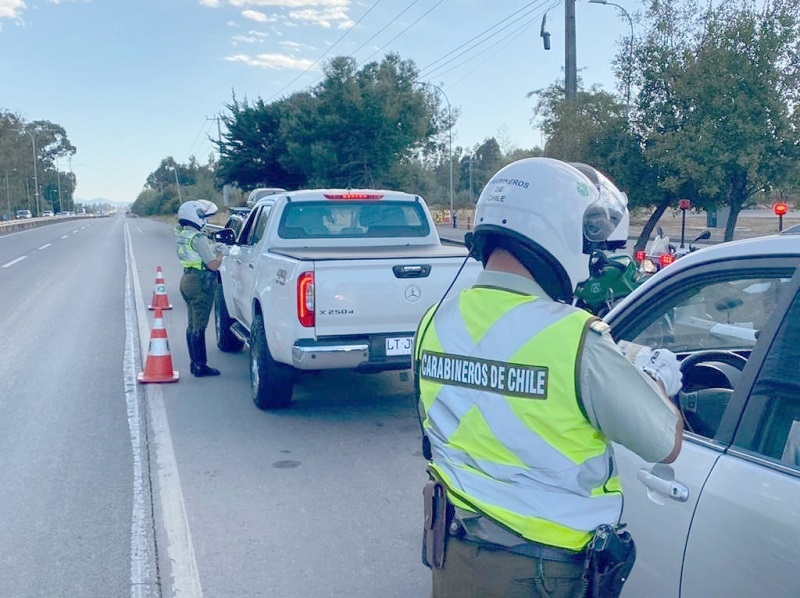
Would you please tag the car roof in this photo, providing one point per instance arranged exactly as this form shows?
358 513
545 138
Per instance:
756 247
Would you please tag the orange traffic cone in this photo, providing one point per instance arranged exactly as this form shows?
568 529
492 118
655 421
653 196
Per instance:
160 298
158 366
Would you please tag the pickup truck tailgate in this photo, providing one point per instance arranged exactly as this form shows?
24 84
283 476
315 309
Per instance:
381 290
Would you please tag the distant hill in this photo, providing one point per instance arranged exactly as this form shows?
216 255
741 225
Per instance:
103 202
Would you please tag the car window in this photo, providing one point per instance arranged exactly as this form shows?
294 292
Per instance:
715 314
771 422
353 219
257 227
251 230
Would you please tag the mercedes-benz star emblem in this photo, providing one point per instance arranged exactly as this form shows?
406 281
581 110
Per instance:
413 294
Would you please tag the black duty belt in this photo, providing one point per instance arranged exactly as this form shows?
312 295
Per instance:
528 548
190 270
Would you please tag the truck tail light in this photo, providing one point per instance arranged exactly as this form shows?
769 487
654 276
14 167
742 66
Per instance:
305 299
665 259
639 255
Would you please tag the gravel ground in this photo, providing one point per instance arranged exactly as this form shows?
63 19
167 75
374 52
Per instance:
751 223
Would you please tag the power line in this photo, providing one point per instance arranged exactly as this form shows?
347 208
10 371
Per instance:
423 15
523 28
381 30
321 56
430 69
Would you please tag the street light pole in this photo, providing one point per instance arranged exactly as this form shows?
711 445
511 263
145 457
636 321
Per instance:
8 194
630 55
35 176
450 134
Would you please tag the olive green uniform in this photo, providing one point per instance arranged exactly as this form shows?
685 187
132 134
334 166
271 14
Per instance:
198 286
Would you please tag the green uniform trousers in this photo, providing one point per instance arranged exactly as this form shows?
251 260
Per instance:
197 289
473 570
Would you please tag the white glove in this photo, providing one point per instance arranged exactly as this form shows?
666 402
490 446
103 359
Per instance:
222 248
660 364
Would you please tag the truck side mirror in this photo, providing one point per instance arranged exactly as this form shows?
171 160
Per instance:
227 236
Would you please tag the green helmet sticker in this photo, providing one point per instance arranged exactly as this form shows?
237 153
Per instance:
582 189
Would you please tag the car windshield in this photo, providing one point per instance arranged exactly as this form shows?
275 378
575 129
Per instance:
718 315
352 219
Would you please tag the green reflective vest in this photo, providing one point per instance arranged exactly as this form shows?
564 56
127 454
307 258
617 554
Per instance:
187 254
498 386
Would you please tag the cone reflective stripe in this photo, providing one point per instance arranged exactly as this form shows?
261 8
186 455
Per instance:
158 365
160 298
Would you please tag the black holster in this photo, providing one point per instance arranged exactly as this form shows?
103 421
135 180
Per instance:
610 556
434 535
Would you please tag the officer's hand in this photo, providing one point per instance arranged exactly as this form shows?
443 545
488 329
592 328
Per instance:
663 365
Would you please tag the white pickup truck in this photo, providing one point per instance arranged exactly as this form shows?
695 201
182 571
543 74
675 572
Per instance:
331 279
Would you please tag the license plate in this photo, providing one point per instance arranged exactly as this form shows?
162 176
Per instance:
399 345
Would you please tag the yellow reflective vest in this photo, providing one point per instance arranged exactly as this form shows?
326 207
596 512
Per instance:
187 254
498 389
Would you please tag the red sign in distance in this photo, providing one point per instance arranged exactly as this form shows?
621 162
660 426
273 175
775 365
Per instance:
780 208
684 204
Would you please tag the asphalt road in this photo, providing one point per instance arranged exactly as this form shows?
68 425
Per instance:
66 468
113 488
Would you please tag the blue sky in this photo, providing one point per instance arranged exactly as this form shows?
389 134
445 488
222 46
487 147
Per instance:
135 81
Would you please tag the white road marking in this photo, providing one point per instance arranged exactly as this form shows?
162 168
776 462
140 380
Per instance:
45 246
12 262
185 576
65 236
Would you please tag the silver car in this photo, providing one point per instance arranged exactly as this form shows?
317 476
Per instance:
724 518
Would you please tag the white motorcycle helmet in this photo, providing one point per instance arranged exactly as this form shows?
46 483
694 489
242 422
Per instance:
547 214
619 238
195 212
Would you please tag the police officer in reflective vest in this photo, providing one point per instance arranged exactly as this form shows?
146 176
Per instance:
200 263
521 395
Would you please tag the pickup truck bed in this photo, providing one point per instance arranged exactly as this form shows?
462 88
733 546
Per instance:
309 284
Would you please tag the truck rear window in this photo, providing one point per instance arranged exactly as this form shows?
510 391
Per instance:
352 219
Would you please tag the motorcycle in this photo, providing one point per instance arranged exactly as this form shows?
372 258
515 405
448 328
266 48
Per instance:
683 250
656 255
612 276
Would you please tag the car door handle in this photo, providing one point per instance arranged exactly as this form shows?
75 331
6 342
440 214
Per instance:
412 271
250 265
669 488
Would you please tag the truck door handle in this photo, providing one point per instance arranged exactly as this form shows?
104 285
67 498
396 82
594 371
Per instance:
669 488
412 271
250 265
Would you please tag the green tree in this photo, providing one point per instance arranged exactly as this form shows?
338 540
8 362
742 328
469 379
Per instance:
718 99
593 128
251 149
356 126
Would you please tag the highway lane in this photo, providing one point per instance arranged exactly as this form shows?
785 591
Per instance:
66 490
321 499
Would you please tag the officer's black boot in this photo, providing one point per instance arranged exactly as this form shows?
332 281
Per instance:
190 343
200 368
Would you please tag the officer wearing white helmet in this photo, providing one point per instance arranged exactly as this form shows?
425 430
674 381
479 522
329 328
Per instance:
618 239
200 261
522 394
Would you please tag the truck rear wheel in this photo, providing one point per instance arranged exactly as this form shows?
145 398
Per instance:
227 342
271 383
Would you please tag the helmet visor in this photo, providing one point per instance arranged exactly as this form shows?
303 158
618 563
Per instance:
602 217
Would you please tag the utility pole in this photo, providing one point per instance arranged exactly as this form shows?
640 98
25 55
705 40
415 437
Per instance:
570 59
219 129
